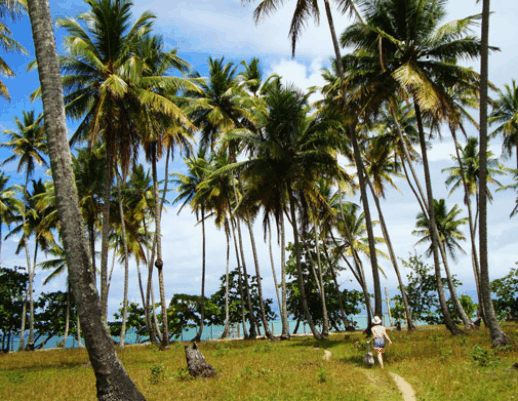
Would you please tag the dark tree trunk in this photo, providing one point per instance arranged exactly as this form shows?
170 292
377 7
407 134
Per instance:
112 381
196 363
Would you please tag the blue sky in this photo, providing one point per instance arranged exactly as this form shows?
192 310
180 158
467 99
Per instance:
218 28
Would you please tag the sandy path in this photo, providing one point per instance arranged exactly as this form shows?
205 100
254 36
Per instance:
405 388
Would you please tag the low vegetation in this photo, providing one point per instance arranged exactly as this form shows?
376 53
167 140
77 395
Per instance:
437 365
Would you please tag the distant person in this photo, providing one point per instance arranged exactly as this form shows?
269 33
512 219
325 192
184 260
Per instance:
379 333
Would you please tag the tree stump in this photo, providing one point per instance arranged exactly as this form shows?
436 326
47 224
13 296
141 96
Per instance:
196 363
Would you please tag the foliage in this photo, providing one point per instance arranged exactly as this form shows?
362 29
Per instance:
421 292
156 373
351 300
185 311
234 300
13 286
136 319
506 291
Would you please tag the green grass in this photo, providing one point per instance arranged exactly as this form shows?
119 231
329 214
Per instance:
436 364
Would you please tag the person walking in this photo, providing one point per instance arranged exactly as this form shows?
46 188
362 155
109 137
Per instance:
379 334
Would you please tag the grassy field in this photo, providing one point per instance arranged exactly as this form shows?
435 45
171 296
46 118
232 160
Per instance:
437 365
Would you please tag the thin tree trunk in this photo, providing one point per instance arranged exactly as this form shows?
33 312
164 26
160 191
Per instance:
78 333
21 345
202 312
467 201
112 381
274 274
393 259
159 263
359 168
126 266
67 319
300 281
110 154
498 337
284 311
28 294
267 331
149 288
325 325
227 312
433 228
239 279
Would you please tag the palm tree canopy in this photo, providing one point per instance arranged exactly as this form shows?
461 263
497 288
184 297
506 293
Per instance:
505 116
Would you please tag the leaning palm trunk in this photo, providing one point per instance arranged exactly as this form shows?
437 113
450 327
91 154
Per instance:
239 279
432 227
267 332
126 267
159 263
497 335
112 381
467 201
393 259
274 274
300 281
359 167
110 154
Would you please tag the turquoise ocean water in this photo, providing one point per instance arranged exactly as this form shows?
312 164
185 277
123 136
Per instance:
209 333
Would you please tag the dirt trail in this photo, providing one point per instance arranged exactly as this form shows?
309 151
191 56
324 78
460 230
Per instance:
406 389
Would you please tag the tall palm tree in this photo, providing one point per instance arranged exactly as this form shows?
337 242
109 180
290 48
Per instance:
415 58
505 115
198 169
304 10
10 206
113 383
12 9
29 147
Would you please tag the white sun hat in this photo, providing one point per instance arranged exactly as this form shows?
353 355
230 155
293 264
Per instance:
376 320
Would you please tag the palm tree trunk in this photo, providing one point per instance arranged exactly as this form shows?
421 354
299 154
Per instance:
159 263
300 281
227 312
325 325
202 312
284 310
30 341
28 294
393 259
274 274
149 288
498 337
126 267
112 381
67 319
433 228
79 342
110 155
239 279
267 331
467 201
359 167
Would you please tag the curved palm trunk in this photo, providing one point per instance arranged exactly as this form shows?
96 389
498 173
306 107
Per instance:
91 235
267 331
393 259
359 167
202 312
432 227
112 381
300 281
30 341
497 335
126 267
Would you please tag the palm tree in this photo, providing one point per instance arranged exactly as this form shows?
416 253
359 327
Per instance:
304 10
113 383
10 206
198 169
415 59
287 152
12 9
505 114
29 147
108 88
